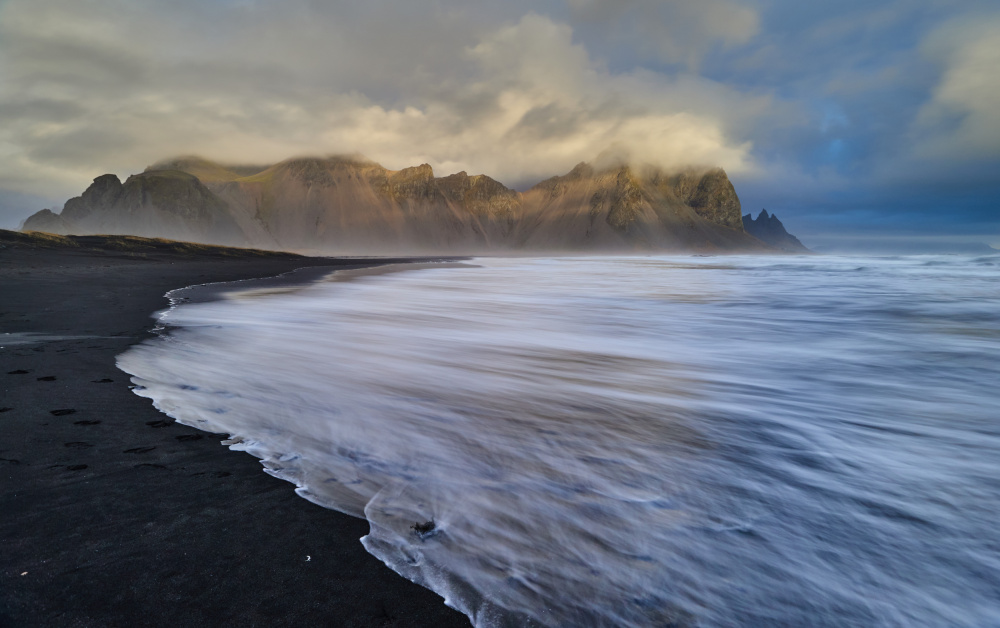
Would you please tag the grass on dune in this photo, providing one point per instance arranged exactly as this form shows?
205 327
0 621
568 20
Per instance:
127 244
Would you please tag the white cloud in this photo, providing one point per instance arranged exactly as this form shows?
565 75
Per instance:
550 107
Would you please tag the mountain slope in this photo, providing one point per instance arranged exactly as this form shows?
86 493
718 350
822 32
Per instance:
633 208
351 205
159 204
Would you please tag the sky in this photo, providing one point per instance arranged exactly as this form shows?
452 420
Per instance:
852 121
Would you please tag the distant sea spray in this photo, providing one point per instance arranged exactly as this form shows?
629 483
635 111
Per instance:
642 441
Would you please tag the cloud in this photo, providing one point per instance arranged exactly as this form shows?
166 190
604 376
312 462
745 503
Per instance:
672 31
547 106
100 85
961 121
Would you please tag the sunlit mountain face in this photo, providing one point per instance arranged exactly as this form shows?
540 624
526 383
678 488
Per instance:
352 205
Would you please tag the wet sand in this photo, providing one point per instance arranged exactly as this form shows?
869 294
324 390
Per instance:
113 515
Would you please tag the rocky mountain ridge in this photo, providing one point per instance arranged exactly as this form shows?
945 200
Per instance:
348 204
166 204
768 229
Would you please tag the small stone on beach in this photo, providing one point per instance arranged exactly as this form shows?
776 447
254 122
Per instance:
425 529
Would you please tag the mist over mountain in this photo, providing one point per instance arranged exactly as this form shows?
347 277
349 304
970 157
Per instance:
348 204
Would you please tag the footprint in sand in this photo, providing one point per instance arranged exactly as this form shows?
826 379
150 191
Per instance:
18 372
160 423
184 438
106 380
76 467
138 450
86 422
62 412
77 445
47 378
2 410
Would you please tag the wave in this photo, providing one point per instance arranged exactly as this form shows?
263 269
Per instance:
629 441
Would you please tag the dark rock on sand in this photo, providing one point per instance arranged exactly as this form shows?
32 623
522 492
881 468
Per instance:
425 530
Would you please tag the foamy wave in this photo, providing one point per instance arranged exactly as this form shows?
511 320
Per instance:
632 441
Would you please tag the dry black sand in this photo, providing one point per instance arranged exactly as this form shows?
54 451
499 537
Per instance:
111 514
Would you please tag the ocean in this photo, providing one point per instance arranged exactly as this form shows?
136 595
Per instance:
629 441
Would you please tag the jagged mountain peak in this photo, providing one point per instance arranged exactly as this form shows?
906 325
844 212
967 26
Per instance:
157 202
707 191
768 229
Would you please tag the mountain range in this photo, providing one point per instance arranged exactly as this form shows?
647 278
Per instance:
351 205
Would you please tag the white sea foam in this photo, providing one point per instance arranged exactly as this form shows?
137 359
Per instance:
631 441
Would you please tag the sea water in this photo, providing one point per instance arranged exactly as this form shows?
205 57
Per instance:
631 441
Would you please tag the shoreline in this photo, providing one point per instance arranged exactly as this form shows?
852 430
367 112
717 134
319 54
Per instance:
116 515
303 277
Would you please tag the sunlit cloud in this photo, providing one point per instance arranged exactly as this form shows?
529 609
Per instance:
521 102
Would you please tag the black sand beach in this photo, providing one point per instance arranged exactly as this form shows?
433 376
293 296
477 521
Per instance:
111 514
